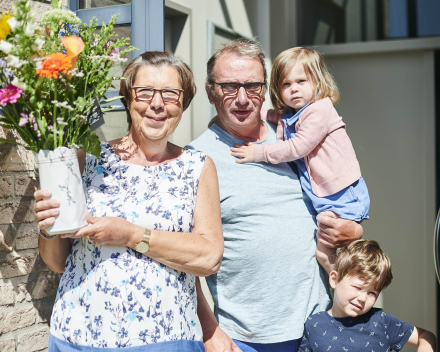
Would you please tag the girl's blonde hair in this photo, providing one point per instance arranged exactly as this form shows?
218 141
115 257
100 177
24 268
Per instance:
315 68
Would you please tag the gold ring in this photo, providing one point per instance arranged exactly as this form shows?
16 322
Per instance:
88 238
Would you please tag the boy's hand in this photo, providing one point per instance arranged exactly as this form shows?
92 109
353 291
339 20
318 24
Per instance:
245 152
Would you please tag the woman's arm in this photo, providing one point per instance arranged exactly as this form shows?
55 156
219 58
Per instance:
424 340
55 251
214 338
198 253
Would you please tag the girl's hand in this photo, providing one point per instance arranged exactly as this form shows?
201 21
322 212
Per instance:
245 152
109 231
45 209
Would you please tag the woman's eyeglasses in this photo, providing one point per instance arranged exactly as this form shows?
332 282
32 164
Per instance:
251 88
169 95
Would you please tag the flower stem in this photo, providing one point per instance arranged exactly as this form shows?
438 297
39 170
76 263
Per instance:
54 120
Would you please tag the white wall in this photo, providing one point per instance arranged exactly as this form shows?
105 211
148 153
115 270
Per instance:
387 102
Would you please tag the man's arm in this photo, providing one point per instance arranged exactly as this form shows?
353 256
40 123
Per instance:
214 338
335 232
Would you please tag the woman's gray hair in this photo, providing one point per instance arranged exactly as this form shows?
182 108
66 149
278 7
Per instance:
157 59
241 47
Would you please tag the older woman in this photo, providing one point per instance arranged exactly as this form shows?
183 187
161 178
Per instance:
129 277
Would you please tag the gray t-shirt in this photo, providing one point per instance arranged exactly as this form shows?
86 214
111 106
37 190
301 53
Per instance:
269 281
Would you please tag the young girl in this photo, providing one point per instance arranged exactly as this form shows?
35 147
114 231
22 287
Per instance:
303 92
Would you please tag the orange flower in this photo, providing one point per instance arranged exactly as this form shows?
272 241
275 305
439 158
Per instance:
53 64
74 45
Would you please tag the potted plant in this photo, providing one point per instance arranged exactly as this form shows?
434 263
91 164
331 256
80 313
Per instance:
54 74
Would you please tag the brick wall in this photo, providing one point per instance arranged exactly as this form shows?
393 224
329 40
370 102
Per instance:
27 286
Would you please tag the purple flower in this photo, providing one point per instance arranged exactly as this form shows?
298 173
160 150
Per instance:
23 120
35 127
95 42
114 52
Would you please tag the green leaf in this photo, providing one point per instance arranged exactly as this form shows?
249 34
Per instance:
109 100
110 108
48 144
81 101
90 143
12 142
55 4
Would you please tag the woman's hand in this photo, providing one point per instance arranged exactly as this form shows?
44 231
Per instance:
335 232
220 342
109 231
45 209
54 251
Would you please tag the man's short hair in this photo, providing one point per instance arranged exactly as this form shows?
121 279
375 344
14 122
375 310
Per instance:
365 260
243 48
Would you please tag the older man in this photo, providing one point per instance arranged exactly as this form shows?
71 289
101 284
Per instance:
269 281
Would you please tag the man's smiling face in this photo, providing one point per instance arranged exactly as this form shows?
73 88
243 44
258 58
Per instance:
238 111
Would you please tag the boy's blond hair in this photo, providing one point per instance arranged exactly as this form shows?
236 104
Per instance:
366 260
315 68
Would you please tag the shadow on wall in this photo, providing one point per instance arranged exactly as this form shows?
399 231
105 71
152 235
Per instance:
27 286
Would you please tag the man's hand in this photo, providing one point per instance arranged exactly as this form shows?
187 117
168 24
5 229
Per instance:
335 232
245 152
220 342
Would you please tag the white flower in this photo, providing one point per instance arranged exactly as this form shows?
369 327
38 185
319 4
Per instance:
13 61
13 23
5 46
29 29
38 44
18 84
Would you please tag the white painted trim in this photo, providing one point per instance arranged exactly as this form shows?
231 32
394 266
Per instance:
432 43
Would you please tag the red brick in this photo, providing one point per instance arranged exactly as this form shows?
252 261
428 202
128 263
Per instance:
17 159
16 266
26 185
45 287
5 186
41 265
6 241
22 293
33 341
6 296
16 212
7 346
16 319
43 309
26 237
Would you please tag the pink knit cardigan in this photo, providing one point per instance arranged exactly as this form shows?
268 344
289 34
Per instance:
322 141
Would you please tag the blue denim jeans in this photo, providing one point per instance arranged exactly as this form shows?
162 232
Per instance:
287 346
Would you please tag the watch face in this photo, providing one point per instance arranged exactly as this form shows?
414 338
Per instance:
142 247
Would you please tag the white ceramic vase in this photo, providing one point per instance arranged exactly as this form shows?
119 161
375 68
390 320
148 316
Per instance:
59 172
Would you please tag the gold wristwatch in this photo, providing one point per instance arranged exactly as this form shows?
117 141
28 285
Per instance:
144 245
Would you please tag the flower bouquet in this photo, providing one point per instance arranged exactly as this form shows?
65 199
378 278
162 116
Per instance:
53 78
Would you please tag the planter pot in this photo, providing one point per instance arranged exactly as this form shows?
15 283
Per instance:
59 172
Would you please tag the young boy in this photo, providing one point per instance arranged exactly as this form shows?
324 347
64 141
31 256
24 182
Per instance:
362 270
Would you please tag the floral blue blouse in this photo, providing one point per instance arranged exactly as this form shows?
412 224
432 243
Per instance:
114 296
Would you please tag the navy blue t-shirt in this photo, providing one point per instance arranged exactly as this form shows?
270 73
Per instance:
376 331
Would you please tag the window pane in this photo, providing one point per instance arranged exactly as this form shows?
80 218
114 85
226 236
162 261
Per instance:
123 31
89 4
345 21
115 126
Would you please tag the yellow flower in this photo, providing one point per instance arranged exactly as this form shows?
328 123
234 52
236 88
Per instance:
4 26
